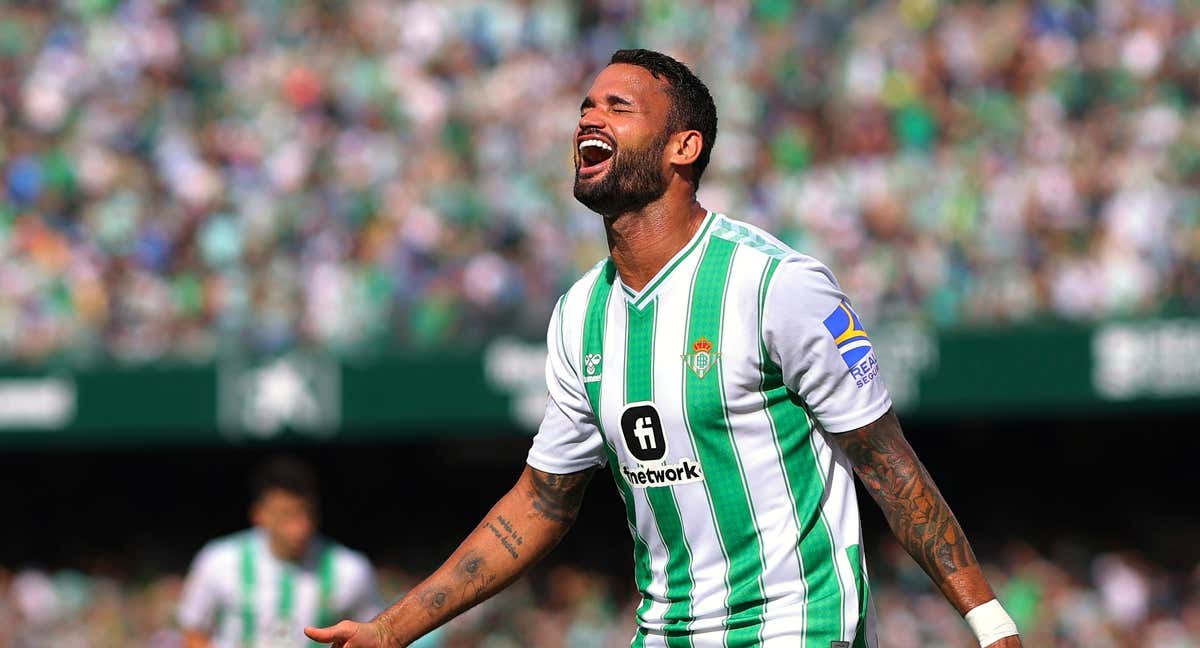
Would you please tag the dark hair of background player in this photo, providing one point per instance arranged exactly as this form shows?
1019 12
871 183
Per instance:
692 106
287 474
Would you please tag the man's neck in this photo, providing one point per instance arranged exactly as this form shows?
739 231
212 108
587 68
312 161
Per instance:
643 241
278 552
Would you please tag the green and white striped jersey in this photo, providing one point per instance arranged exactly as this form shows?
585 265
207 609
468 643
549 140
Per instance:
710 394
242 596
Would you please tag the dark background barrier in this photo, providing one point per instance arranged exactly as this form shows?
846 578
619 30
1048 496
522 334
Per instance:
1109 482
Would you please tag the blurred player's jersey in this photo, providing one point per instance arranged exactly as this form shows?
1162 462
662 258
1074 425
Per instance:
710 394
238 593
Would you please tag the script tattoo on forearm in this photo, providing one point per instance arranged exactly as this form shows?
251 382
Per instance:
508 536
557 497
916 511
472 569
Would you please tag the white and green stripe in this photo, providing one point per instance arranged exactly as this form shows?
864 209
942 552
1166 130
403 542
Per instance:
285 595
764 550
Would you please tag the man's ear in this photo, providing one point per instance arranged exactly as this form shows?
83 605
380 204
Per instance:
685 147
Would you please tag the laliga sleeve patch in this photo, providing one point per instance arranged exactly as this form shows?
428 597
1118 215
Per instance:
852 343
848 334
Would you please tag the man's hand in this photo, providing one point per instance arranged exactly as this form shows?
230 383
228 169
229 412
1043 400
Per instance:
349 634
1007 642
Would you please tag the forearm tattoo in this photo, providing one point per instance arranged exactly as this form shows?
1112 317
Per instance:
508 536
472 577
478 571
557 497
433 600
910 501
476 576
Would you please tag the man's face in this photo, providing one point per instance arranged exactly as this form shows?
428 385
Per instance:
288 520
620 141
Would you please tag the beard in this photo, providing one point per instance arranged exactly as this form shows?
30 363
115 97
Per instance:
632 181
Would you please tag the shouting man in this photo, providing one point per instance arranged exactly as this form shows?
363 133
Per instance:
732 390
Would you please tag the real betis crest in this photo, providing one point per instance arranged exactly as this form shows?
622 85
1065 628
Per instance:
702 358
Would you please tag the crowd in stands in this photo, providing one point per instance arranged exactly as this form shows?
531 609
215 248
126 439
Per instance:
178 177
1112 600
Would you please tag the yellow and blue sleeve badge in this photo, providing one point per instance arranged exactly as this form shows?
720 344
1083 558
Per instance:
848 334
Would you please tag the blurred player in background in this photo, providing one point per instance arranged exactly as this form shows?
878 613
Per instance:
260 587
732 390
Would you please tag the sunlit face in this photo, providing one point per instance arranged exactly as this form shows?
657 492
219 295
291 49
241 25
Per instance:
621 139
289 521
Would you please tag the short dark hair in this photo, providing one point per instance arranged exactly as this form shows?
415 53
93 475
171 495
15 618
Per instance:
285 473
692 106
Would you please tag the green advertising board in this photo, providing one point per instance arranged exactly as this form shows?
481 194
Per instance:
1046 371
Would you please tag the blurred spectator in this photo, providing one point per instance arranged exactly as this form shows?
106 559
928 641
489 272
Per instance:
183 176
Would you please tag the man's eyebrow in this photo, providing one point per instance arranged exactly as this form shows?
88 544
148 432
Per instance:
612 99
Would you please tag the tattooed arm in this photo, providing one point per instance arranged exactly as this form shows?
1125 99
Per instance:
521 528
917 513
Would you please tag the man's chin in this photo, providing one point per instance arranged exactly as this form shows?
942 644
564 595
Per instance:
597 201
590 191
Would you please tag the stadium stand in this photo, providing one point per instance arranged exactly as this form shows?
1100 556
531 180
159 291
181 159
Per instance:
185 175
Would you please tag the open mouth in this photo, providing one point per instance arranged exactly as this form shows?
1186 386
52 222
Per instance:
594 153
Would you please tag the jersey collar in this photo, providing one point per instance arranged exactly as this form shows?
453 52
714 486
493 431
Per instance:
639 299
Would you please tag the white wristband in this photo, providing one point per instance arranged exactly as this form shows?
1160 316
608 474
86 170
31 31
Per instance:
990 623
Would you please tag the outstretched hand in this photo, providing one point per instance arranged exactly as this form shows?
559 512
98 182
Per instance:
350 634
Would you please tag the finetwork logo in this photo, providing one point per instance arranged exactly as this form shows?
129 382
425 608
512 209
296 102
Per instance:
684 472
853 344
642 432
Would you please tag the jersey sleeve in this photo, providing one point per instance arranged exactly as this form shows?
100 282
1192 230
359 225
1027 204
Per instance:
820 344
200 598
568 439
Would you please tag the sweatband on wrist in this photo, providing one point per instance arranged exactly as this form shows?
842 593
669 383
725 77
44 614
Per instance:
990 623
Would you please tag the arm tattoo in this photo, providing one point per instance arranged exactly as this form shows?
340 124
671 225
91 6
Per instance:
433 600
476 577
557 497
508 536
916 511
478 569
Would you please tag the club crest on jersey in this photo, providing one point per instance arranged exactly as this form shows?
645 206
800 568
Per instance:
591 367
852 343
646 442
702 358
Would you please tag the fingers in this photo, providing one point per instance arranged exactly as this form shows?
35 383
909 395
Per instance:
336 633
